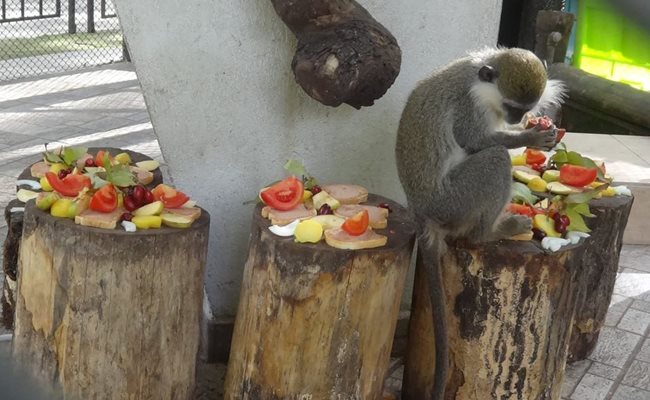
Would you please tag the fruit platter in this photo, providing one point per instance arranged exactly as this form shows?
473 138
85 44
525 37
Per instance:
555 189
105 188
343 216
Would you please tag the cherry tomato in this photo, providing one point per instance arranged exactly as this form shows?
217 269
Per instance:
284 195
104 200
69 186
576 175
171 197
534 156
357 224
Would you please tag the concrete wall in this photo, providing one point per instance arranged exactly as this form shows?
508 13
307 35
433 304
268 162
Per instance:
217 82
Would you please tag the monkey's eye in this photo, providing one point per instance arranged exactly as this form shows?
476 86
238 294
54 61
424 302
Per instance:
487 73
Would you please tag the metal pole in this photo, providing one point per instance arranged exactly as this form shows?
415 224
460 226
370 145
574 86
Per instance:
91 16
125 51
72 25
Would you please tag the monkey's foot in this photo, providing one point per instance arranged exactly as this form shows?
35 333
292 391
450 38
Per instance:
515 224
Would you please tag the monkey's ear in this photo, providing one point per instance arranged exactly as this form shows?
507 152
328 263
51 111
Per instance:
487 73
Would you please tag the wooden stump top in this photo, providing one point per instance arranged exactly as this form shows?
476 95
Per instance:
400 230
135 157
31 208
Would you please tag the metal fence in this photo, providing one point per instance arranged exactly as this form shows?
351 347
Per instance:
45 36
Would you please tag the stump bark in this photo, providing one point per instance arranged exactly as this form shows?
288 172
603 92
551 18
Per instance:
110 314
315 322
598 272
509 312
15 224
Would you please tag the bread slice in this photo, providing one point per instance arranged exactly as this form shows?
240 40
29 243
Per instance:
143 176
340 239
99 219
377 216
193 212
39 169
523 236
347 194
278 217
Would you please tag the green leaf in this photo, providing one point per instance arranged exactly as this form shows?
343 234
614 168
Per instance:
577 223
585 197
120 176
574 158
72 154
560 157
522 193
582 209
310 182
295 167
588 162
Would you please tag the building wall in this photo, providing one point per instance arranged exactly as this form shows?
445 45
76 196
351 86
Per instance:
217 82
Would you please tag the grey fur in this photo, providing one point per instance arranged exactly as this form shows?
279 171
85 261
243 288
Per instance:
454 166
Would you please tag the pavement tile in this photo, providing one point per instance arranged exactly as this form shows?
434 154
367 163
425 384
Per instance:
9 139
644 352
573 374
615 346
636 257
641 305
635 321
624 392
633 283
106 123
604 371
592 387
638 375
7 184
617 307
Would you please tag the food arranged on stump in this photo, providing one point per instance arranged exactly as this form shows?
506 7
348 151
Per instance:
555 191
102 190
300 208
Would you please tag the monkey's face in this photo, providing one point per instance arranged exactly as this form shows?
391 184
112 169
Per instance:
519 77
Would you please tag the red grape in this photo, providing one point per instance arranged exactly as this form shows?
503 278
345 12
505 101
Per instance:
148 197
89 162
325 209
127 216
315 189
138 194
130 203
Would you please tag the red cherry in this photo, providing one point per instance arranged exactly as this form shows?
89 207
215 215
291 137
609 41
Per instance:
127 216
129 203
138 194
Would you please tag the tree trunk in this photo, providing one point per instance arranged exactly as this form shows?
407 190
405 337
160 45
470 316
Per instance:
598 272
14 233
509 312
110 314
315 322
548 23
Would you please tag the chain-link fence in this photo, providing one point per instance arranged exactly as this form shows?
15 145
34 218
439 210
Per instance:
44 36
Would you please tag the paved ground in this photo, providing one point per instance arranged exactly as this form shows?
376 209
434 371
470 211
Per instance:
104 106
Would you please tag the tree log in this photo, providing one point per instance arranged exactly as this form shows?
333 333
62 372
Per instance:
343 54
549 22
315 322
509 312
107 313
598 272
15 224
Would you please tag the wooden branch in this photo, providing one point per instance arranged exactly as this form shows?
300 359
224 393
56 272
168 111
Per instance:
510 308
343 54
598 273
316 322
107 313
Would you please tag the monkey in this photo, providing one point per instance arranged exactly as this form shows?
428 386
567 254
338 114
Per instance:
453 163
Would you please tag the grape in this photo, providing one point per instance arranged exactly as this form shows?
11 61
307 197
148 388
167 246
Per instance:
315 189
89 162
129 203
148 197
325 209
138 194
63 173
538 234
562 222
126 216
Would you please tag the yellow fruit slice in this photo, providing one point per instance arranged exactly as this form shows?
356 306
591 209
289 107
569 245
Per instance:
176 220
519 159
123 158
546 225
522 176
60 208
45 185
537 185
154 208
148 165
308 231
551 175
57 167
25 195
560 188
147 221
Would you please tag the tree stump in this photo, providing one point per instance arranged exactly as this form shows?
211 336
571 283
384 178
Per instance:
110 314
14 233
509 311
598 272
316 322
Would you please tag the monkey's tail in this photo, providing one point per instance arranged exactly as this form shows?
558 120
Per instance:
431 248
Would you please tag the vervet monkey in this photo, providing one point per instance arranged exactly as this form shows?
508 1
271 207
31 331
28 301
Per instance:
453 162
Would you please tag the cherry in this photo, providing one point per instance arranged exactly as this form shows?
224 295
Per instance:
386 206
63 173
562 222
315 189
538 234
138 194
325 209
127 216
89 162
130 203
148 197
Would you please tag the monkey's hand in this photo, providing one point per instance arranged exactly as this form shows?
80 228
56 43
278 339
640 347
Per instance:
537 138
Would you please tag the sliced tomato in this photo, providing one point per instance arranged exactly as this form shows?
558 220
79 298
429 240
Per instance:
544 122
170 197
99 158
105 199
576 175
357 224
284 195
521 209
69 186
534 156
